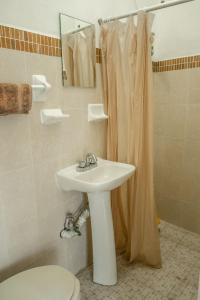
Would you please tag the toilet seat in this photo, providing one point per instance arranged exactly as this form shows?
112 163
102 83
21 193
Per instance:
42 283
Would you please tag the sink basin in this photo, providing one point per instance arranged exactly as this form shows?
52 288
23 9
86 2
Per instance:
106 176
97 183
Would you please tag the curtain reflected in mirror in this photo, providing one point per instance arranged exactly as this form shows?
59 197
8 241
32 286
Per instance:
78 52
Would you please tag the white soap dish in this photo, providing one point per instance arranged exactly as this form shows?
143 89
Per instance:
40 86
96 113
52 116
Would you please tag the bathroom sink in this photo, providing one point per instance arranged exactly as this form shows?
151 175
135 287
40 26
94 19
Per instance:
107 176
97 182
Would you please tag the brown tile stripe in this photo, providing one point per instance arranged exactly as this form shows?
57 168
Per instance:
21 40
16 39
98 55
181 63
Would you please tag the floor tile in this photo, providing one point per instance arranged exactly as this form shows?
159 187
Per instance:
176 280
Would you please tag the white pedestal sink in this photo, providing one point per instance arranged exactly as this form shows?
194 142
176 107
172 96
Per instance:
97 183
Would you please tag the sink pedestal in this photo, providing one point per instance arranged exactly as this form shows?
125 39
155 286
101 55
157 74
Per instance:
104 255
97 183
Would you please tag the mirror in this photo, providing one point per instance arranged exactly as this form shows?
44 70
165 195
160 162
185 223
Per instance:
78 52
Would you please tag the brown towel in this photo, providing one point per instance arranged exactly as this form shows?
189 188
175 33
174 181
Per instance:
15 99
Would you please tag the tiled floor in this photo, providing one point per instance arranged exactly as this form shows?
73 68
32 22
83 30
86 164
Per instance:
177 280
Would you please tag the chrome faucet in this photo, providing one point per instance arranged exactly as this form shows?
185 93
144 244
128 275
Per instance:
91 159
87 164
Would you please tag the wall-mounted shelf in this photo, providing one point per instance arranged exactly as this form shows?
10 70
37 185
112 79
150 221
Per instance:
52 116
96 113
39 87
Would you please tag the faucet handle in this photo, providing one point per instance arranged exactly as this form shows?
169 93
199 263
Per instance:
82 164
91 158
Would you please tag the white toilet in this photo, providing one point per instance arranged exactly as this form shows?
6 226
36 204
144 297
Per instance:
42 283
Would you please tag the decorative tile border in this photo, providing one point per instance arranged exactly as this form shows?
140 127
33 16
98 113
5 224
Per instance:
21 40
181 63
98 56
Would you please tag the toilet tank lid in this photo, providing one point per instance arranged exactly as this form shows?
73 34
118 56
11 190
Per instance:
41 283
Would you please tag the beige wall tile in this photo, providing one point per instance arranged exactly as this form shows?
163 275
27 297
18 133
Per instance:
46 141
161 88
171 184
175 121
160 119
194 88
24 242
172 152
169 120
158 165
193 122
190 187
169 168
178 86
48 197
78 259
14 142
18 196
12 67
194 78
30 156
171 87
169 210
177 140
76 137
194 95
4 257
190 216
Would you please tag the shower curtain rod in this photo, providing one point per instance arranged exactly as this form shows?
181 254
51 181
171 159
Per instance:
147 9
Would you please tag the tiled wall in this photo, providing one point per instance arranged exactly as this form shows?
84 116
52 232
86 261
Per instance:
187 62
32 209
177 146
21 40
98 55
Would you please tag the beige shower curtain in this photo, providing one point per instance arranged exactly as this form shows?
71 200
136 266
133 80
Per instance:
127 86
79 57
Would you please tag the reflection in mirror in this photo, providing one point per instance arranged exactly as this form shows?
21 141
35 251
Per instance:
78 52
